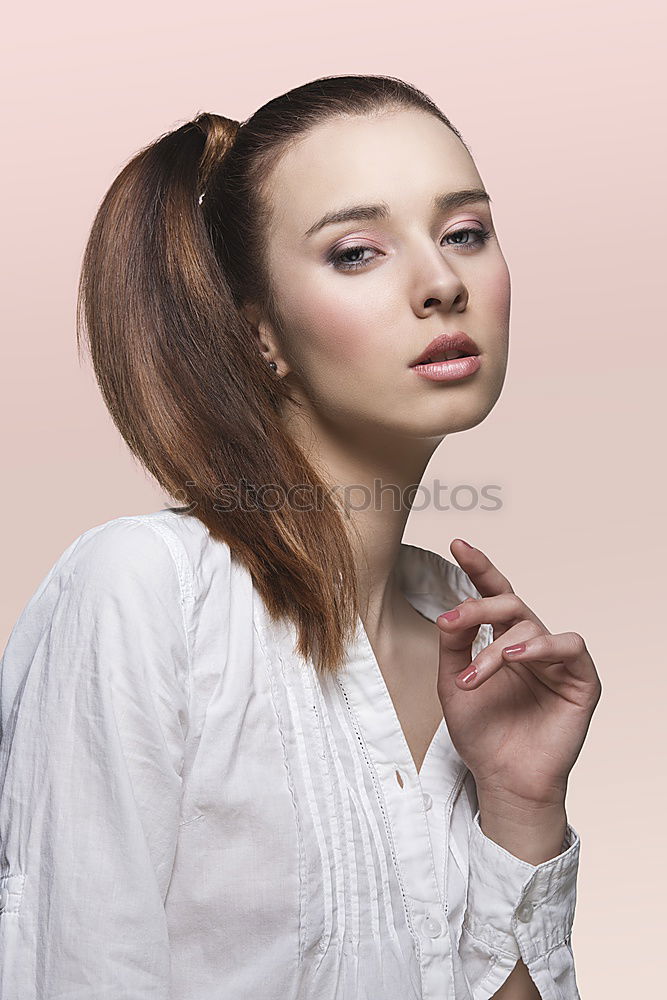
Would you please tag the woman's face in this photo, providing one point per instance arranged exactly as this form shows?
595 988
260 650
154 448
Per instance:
360 299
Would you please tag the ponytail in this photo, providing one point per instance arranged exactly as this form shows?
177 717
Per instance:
186 386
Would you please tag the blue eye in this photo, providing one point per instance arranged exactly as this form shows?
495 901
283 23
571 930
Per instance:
482 235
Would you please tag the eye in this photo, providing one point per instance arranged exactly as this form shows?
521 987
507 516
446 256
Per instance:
480 238
339 259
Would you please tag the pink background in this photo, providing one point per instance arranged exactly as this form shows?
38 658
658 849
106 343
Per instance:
562 105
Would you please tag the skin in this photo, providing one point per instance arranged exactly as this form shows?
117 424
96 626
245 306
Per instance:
345 342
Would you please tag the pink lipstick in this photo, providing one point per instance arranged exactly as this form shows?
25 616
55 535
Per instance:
448 358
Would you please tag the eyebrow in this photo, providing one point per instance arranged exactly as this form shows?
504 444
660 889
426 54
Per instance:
441 202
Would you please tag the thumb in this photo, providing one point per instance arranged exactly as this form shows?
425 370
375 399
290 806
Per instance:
456 646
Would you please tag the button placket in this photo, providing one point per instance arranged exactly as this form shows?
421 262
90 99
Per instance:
406 809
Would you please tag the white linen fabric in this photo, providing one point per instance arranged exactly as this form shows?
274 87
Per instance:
189 812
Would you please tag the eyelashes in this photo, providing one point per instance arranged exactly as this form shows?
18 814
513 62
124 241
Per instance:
482 236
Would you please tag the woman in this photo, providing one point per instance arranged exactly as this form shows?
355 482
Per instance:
243 754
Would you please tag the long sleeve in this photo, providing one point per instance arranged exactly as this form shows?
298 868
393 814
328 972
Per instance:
518 910
94 702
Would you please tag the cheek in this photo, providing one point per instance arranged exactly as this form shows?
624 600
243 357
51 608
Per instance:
497 293
333 329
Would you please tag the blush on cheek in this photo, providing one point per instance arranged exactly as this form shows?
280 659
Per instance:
497 293
336 333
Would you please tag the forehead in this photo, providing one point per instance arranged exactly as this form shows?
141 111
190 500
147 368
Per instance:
403 158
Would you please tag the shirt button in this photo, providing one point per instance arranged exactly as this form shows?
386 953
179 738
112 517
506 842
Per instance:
525 911
431 927
428 801
4 897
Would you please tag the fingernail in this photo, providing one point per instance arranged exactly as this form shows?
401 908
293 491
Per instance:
519 648
466 543
466 678
451 615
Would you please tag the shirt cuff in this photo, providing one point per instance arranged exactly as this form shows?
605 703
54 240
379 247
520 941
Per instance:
519 910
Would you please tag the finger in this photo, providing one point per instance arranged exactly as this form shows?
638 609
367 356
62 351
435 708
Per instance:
486 577
502 610
561 662
564 648
454 635
490 659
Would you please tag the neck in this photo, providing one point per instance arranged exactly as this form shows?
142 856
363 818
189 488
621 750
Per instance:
375 476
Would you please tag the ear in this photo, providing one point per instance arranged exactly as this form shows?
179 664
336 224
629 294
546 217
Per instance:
267 342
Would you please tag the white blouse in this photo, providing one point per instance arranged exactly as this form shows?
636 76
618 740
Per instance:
188 811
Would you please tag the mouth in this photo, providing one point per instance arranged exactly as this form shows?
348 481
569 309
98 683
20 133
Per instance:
446 347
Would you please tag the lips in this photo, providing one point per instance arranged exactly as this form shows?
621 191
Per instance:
446 346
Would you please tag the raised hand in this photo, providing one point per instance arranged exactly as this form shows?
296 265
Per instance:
519 723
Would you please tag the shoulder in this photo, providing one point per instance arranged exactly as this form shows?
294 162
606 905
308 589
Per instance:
117 547
157 550
141 568
106 636
115 559
125 594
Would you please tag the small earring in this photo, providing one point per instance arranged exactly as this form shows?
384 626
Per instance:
273 365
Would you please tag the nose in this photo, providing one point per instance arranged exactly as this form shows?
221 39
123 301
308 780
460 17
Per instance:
438 286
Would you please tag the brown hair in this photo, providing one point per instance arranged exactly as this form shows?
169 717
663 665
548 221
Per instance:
164 275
